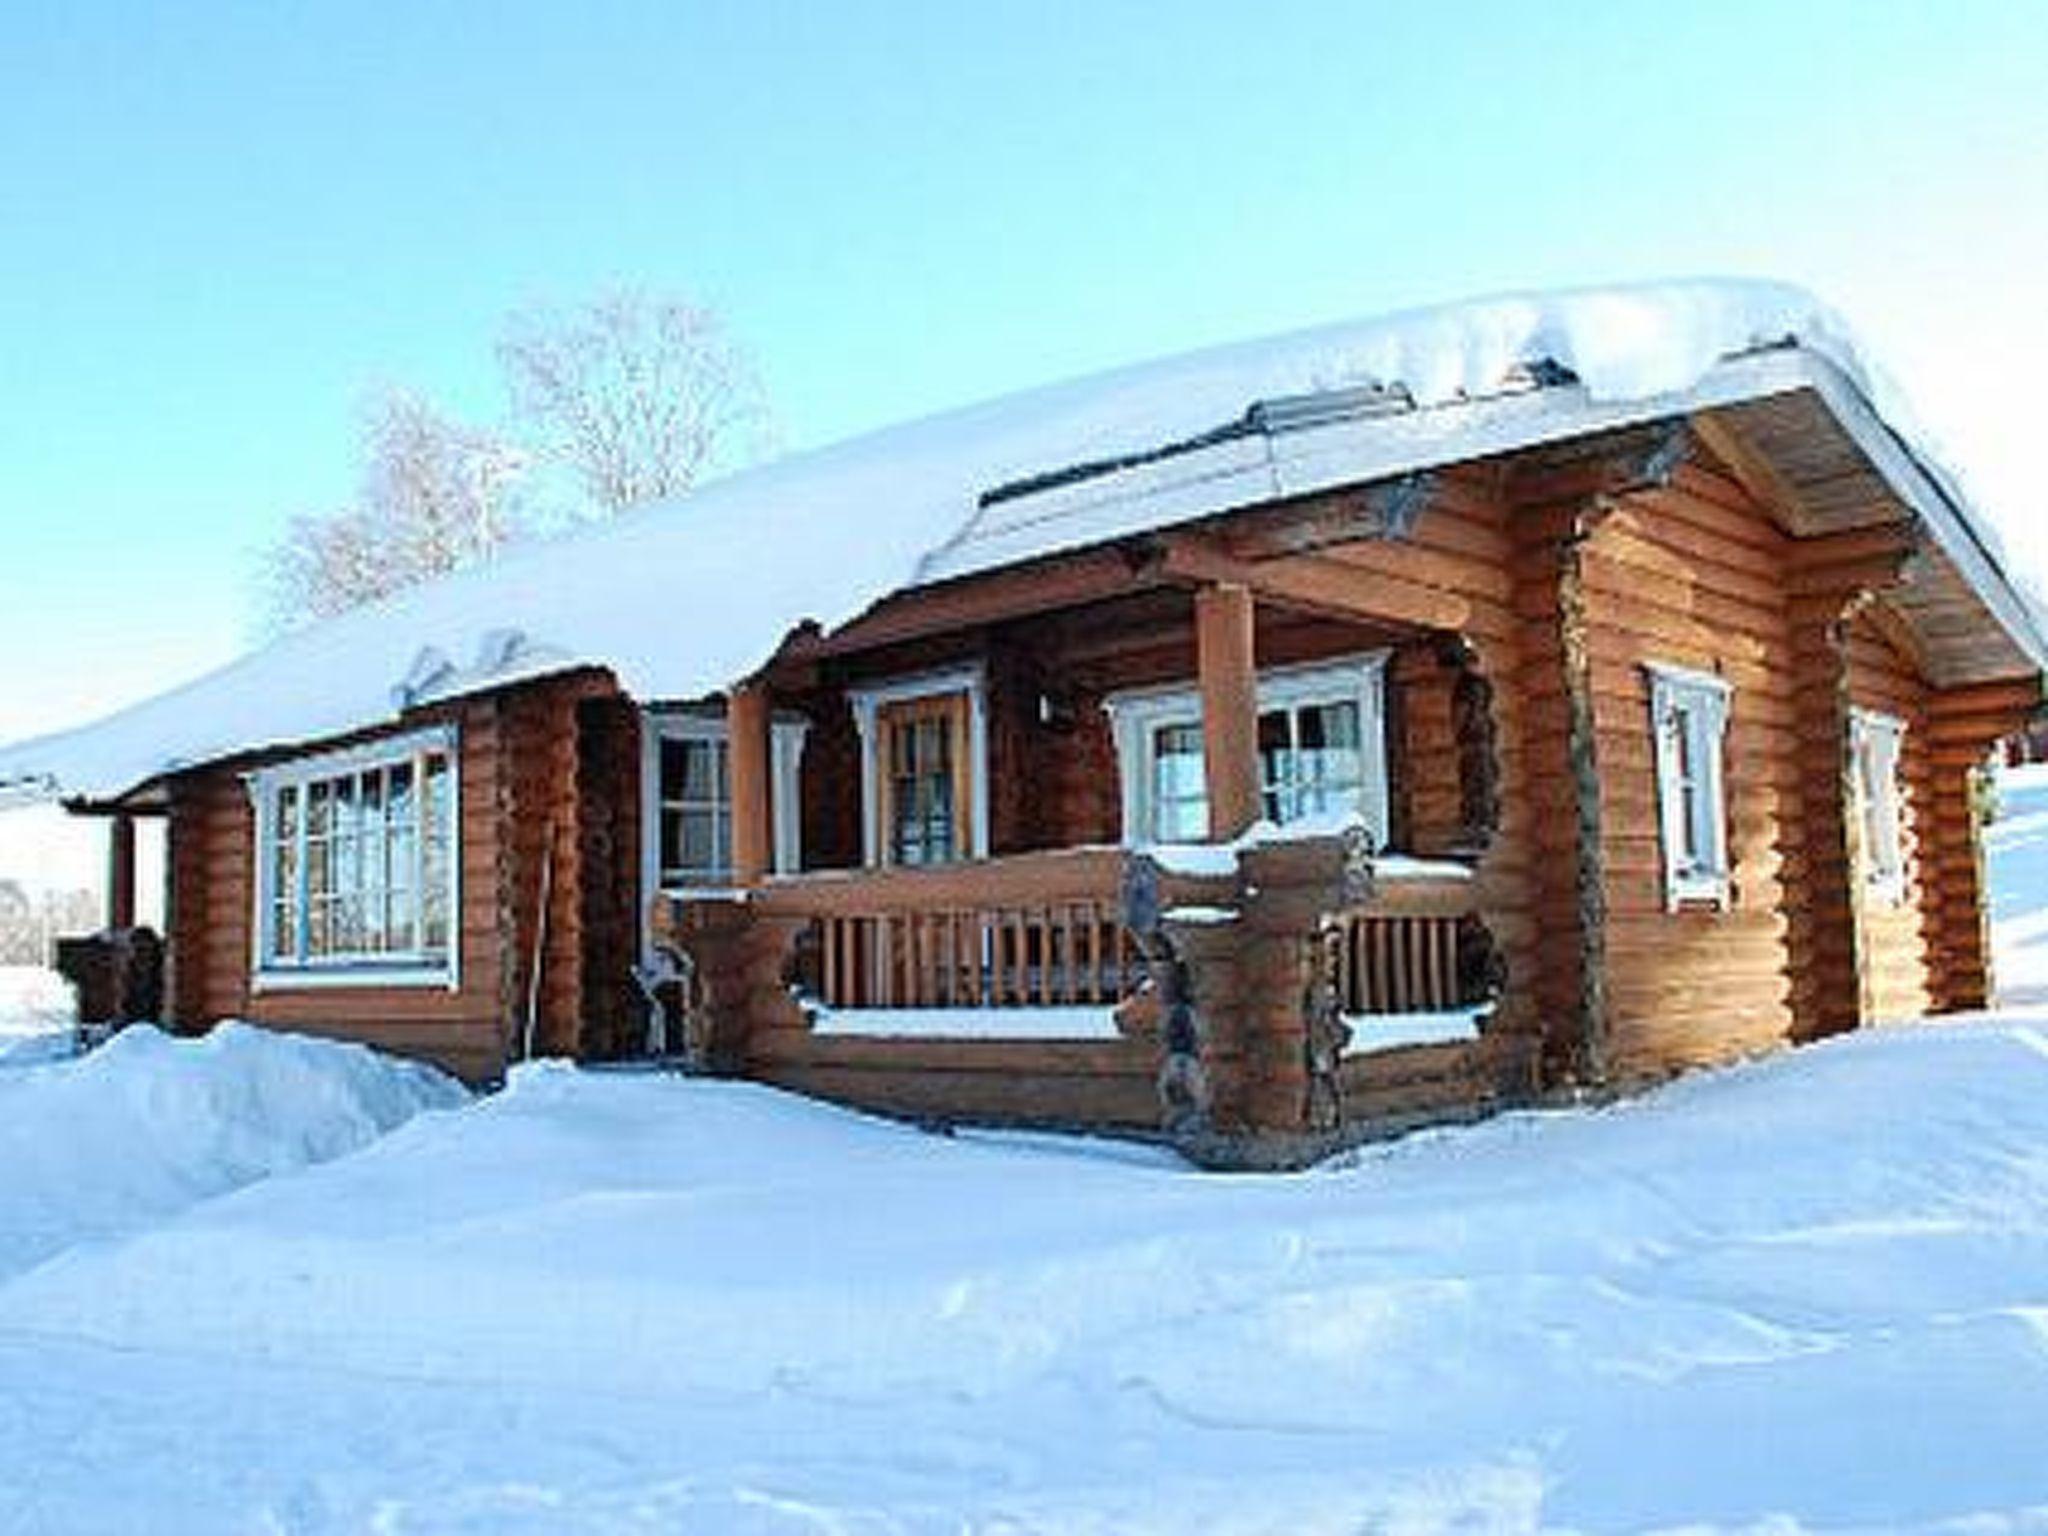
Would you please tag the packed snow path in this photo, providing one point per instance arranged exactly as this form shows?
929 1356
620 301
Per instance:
1807 1294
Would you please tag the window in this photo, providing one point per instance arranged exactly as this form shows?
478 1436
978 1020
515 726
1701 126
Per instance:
1322 751
924 744
695 810
356 870
1874 744
1689 714
1179 792
686 775
923 789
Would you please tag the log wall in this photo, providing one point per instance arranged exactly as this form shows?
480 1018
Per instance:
1692 574
1893 938
518 763
1520 737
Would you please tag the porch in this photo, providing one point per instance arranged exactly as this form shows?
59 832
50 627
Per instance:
1179 854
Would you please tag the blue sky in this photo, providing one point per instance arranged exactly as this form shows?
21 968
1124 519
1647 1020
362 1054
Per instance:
221 225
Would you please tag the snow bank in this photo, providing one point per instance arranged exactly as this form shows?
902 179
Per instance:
2016 845
149 1124
37 1010
1763 1298
849 524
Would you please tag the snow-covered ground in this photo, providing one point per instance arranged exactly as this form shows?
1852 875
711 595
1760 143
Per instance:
36 1012
122 1138
1808 1294
2016 849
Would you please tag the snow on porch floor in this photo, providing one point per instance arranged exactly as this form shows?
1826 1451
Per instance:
1815 1288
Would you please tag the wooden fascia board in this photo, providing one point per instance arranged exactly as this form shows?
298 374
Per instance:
1951 526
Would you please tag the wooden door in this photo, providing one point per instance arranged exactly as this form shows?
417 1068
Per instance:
925 798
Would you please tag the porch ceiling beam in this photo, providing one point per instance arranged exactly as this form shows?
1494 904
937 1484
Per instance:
1895 628
1608 464
1754 472
1317 584
1385 509
1069 582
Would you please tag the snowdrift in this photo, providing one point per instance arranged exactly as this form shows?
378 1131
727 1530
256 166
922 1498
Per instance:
1813 1285
148 1125
36 1013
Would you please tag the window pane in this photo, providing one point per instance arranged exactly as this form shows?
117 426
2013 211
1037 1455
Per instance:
1180 798
1180 821
690 770
698 836
399 797
319 870
436 793
400 913
1311 760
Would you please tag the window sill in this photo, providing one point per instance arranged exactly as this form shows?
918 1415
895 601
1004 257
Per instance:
317 978
1699 896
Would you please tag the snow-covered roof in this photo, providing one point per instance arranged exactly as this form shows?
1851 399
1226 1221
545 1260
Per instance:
683 598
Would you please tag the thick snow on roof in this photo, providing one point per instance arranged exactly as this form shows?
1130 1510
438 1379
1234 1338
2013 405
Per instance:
683 598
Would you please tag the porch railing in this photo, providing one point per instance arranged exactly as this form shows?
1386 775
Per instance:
1046 930
1031 930
1401 952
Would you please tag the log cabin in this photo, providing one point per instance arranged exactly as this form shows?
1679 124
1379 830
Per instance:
1266 749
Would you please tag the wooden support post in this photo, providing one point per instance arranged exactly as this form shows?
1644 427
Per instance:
748 725
1230 707
1964 725
121 872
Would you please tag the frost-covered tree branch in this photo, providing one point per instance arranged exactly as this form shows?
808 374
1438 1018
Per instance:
638 397
630 398
436 495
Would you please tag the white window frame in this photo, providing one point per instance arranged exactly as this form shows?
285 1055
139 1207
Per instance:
786 754
1704 701
267 973
867 705
1880 739
1137 715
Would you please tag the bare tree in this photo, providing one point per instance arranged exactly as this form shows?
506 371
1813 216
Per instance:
638 397
435 495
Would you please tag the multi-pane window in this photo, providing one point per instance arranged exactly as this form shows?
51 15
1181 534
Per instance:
695 810
1321 751
1180 796
924 751
686 798
358 860
1311 759
1875 741
922 788
1689 715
